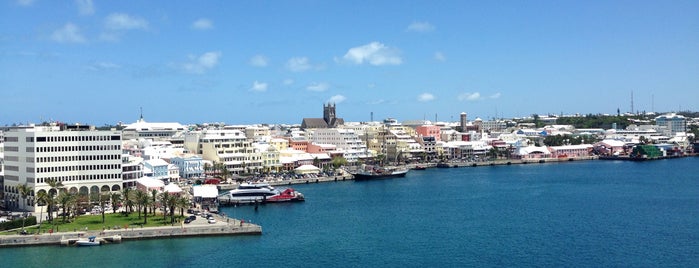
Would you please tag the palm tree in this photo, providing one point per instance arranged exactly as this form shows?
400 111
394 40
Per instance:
115 199
128 201
103 198
143 201
172 203
165 199
138 198
65 199
154 199
42 199
53 185
24 191
182 204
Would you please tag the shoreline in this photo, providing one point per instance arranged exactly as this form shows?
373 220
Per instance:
225 227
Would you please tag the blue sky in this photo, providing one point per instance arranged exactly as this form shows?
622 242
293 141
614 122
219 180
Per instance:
241 62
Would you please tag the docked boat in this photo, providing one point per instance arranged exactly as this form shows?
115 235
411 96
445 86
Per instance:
91 241
258 192
374 172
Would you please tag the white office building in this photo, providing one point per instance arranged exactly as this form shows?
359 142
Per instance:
84 160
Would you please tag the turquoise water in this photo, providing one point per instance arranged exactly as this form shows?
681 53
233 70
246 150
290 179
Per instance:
593 213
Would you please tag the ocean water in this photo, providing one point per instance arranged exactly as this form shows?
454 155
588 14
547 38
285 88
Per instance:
582 214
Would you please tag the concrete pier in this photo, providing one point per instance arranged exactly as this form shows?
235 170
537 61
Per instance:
199 227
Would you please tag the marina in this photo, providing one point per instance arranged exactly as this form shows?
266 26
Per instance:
586 213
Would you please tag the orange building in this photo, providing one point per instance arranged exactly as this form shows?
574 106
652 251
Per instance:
429 131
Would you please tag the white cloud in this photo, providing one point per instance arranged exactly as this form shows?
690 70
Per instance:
25 3
425 97
495 96
288 82
69 33
337 99
259 86
202 24
318 87
439 56
420 27
259 61
85 7
298 64
104 66
121 21
203 63
469 96
373 53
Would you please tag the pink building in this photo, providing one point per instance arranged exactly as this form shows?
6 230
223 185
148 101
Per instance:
429 131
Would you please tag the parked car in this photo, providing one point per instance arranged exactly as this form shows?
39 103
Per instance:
212 220
188 220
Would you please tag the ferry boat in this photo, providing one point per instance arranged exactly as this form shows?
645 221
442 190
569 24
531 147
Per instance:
259 192
373 172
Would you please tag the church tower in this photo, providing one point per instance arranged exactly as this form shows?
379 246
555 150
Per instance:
329 114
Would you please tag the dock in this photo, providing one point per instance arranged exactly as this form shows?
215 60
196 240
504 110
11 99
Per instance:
224 226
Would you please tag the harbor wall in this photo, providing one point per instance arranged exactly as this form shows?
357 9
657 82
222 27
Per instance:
230 227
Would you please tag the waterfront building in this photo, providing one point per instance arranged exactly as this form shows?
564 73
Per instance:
533 152
571 151
189 165
467 150
673 123
270 157
157 169
429 131
279 143
230 147
86 161
344 140
131 169
611 147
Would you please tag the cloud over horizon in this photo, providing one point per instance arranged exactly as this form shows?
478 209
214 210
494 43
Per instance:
85 7
203 63
69 33
259 61
469 96
202 24
374 53
337 99
122 21
259 86
420 27
318 87
298 64
425 97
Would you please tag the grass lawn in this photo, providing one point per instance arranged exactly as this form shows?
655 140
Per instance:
94 223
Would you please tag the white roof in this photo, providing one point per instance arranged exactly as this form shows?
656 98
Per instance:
157 162
307 167
149 182
205 191
172 188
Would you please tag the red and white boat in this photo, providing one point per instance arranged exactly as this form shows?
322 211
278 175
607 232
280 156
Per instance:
258 192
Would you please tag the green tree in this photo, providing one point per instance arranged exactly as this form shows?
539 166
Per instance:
24 191
115 198
153 200
54 186
338 161
65 199
141 199
42 199
182 204
103 199
126 194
